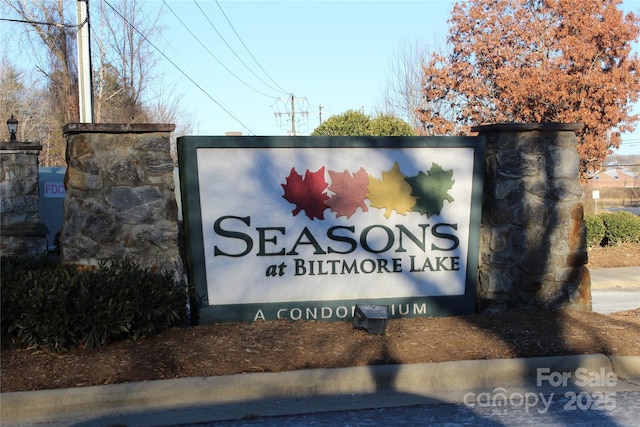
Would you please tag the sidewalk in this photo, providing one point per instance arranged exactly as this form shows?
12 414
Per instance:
621 277
193 400
615 289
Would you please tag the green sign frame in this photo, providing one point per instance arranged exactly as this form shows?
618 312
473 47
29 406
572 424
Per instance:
192 167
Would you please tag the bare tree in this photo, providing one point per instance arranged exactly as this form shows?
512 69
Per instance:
19 96
127 88
125 62
11 95
165 107
402 93
49 22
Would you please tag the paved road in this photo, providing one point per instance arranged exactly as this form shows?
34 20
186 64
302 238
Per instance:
611 301
615 289
569 408
635 210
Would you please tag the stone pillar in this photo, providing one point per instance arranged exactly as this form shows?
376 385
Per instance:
533 237
120 199
21 231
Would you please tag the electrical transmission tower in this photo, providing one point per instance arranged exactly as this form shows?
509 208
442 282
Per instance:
292 114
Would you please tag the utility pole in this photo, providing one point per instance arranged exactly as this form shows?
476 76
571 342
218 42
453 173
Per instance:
293 116
320 113
85 80
292 109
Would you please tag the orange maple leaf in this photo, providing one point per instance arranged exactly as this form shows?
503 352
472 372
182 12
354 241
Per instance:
350 192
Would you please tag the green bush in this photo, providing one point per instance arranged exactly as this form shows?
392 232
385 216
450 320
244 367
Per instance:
60 307
595 230
621 227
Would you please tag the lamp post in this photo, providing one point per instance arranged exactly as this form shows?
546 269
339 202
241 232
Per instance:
12 124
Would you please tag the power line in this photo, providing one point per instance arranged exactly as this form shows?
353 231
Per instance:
247 49
231 49
185 62
179 69
50 24
212 55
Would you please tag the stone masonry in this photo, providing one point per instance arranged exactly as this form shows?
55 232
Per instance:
120 202
21 232
120 199
533 238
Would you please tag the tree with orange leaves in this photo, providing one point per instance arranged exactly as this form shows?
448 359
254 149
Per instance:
531 61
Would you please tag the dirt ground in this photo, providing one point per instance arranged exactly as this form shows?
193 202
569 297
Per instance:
276 346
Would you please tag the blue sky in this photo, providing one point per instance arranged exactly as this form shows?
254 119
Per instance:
328 53
331 53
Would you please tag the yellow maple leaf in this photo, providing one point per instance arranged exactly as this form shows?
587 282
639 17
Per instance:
391 192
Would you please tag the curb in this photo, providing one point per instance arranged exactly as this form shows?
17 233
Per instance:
184 400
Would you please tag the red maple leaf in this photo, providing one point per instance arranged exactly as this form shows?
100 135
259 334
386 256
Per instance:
307 194
350 192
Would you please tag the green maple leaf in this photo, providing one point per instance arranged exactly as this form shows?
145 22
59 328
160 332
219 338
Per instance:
430 190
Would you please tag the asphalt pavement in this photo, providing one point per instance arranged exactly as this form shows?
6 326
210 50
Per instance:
615 278
615 289
203 400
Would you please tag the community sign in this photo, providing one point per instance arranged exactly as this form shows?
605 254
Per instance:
308 227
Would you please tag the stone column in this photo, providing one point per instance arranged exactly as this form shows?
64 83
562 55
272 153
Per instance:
533 238
22 233
120 199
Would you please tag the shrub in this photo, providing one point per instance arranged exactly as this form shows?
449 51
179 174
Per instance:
595 230
59 307
621 227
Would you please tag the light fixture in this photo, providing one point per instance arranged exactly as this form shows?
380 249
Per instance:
373 318
12 124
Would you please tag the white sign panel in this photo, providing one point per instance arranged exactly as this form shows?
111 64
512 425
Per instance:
290 225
